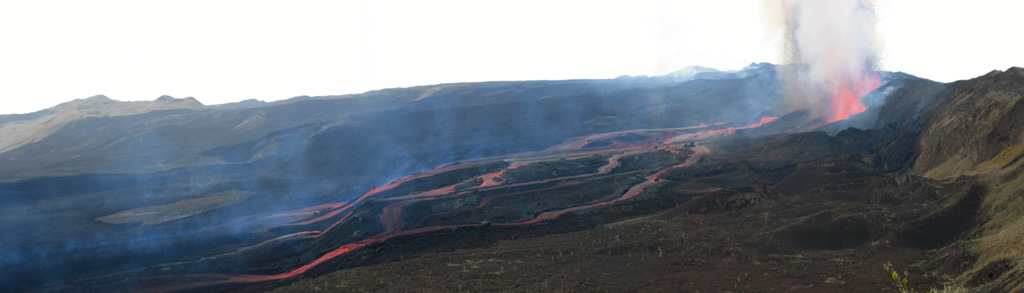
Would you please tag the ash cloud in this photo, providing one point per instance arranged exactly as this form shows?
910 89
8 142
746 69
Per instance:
834 51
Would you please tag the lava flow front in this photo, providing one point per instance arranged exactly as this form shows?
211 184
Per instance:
577 176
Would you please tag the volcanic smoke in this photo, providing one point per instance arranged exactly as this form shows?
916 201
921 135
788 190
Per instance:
833 49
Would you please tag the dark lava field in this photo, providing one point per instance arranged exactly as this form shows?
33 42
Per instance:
664 184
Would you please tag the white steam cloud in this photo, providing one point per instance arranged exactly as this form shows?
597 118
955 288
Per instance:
834 49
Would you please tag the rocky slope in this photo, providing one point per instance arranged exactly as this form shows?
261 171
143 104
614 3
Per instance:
983 118
978 133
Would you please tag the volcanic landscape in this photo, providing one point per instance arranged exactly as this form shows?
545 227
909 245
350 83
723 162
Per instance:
700 180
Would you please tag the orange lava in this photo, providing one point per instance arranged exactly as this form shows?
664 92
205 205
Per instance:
718 132
392 219
845 101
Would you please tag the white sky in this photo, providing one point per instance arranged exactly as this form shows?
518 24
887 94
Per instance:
225 51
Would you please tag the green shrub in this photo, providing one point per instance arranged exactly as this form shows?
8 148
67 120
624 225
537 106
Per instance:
903 286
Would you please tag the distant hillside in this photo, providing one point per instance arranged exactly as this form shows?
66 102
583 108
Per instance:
79 137
20 130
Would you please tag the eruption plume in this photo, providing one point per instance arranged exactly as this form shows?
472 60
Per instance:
833 48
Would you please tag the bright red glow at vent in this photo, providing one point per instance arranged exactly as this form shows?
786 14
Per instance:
846 100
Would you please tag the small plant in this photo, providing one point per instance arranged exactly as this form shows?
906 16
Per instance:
903 286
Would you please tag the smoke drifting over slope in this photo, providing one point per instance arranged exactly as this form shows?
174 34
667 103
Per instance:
835 47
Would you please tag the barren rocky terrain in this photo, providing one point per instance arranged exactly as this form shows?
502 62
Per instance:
633 184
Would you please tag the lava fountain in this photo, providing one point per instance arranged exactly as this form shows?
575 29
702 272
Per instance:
846 98
833 51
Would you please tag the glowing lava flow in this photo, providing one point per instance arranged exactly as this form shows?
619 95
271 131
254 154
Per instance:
568 181
391 217
550 215
632 192
579 143
719 132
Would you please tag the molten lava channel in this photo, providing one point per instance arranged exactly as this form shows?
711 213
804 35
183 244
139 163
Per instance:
393 220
